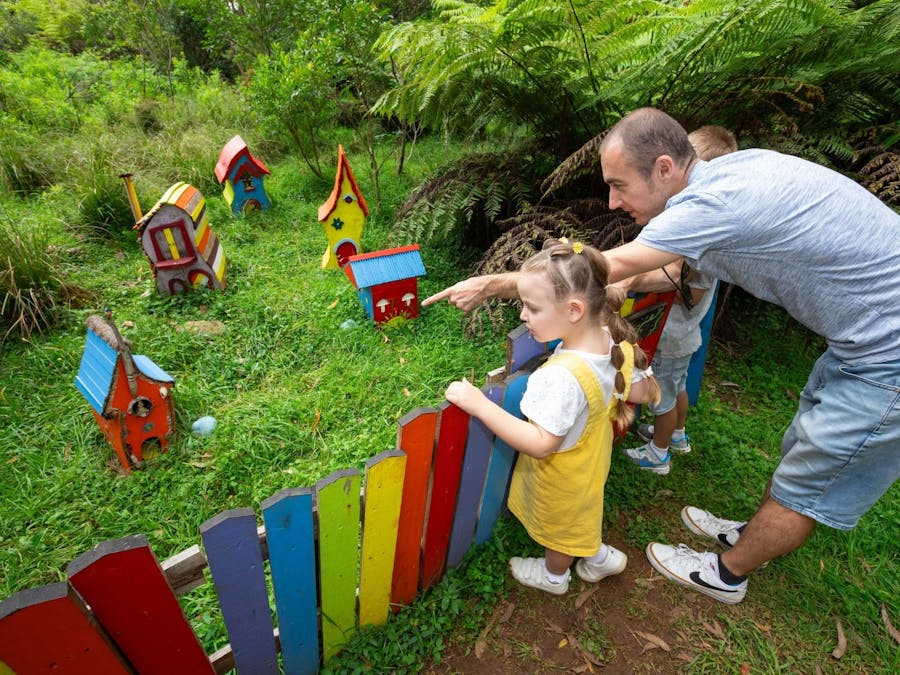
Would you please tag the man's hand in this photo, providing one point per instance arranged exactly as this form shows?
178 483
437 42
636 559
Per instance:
469 292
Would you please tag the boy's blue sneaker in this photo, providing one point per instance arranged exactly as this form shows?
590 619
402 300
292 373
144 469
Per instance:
682 446
645 458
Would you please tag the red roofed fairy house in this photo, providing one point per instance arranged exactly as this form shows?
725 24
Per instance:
131 395
183 251
242 174
387 282
343 216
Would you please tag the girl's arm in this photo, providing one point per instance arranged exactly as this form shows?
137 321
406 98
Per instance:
643 391
524 436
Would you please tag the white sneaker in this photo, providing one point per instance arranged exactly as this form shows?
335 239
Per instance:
530 572
699 571
707 525
591 572
682 446
645 458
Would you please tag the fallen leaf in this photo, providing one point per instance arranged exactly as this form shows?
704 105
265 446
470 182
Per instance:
893 632
582 668
316 421
335 303
507 649
406 392
745 669
714 629
402 360
865 565
842 641
684 656
507 613
553 628
765 628
536 650
585 595
730 384
655 639
790 394
646 583
12 460
562 643
648 646
480 644
819 669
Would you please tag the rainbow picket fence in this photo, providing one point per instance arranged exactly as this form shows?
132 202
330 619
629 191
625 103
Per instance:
342 555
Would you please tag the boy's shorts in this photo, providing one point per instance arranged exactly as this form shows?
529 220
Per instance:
671 373
841 453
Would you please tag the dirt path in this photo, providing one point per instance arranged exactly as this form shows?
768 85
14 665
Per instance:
636 622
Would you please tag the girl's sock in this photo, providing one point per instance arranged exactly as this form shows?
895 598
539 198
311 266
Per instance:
555 578
600 556
678 434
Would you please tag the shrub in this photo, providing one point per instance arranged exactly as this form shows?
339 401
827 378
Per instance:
31 287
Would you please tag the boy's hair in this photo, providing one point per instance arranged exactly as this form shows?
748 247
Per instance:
648 133
579 269
712 141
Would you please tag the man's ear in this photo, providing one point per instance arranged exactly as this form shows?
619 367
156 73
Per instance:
576 309
664 167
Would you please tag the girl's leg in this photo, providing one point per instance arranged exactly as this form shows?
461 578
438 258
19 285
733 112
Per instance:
556 562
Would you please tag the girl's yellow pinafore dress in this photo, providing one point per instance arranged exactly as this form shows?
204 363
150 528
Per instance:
559 499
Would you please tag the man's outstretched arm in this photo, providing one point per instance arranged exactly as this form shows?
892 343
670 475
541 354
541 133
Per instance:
469 292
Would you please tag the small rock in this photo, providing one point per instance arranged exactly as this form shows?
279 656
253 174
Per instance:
204 426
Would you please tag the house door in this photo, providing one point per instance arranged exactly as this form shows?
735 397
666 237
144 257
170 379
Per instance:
344 251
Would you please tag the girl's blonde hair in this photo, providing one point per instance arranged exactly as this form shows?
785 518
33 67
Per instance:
574 268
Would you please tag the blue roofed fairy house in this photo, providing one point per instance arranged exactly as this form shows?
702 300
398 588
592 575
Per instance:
242 174
131 395
387 282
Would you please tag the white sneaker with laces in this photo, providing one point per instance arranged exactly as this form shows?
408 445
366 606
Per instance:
530 572
705 524
591 572
699 571
648 460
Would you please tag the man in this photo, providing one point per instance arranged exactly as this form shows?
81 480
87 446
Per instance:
810 240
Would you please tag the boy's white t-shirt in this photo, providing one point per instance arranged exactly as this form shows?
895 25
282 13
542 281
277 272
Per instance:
553 399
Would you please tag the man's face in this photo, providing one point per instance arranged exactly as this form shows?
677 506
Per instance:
643 198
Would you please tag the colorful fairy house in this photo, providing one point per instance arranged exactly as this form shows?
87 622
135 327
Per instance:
343 216
387 282
242 174
183 250
131 395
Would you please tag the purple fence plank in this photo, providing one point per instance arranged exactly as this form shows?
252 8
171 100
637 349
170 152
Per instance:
521 347
471 483
236 564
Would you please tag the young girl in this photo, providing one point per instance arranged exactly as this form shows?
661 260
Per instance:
565 447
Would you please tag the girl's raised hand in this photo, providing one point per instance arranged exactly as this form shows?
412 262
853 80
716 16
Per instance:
465 395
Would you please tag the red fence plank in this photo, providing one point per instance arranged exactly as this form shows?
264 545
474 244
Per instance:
48 629
453 429
416 439
128 592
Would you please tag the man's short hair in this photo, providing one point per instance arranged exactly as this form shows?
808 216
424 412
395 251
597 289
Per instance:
712 141
648 133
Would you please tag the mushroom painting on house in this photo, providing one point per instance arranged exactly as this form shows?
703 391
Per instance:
387 282
242 174
183 251
131 396
343 216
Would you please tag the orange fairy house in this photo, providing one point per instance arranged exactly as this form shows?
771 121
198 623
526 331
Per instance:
131 395
387 282
242 174
183 250
343 216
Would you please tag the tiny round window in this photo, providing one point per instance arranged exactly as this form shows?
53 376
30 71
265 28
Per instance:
348 198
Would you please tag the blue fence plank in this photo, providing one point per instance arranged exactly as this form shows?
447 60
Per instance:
288 517
502 458
698 360
235 562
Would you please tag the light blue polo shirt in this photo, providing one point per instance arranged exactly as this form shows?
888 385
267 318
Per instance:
796 234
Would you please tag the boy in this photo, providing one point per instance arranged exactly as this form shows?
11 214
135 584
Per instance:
680 338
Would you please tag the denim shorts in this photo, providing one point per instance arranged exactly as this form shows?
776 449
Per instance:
841 452
671 373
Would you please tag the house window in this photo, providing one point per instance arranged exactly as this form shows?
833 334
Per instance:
348 198
247 180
